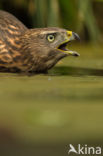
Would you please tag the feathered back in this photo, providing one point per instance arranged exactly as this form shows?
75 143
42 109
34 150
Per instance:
10 31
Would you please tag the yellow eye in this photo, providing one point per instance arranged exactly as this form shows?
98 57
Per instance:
50 38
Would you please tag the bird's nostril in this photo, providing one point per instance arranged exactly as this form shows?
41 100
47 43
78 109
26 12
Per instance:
69 33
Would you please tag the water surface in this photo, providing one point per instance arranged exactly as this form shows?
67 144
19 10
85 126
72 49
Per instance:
43 114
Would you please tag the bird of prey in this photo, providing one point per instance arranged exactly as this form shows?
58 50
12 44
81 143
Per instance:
31 50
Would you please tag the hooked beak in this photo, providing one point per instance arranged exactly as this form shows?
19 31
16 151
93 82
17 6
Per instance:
74 36
63 46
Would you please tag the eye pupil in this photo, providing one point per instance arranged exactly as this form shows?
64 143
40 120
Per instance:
51 37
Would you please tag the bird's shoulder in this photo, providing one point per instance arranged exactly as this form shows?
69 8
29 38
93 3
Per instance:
10 26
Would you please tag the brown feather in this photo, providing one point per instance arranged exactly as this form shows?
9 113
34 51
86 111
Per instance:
10 31
28 50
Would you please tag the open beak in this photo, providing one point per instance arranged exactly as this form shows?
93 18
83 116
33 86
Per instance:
63 46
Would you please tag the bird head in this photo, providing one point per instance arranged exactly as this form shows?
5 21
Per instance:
48 45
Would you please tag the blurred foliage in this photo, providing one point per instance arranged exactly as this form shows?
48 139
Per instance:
76 15
87 18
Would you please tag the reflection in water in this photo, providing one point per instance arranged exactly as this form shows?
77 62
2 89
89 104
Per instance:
76 71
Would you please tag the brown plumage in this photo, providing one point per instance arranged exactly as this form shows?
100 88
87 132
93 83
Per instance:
31 50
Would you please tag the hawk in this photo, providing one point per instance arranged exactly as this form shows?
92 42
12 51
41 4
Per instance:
31 50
